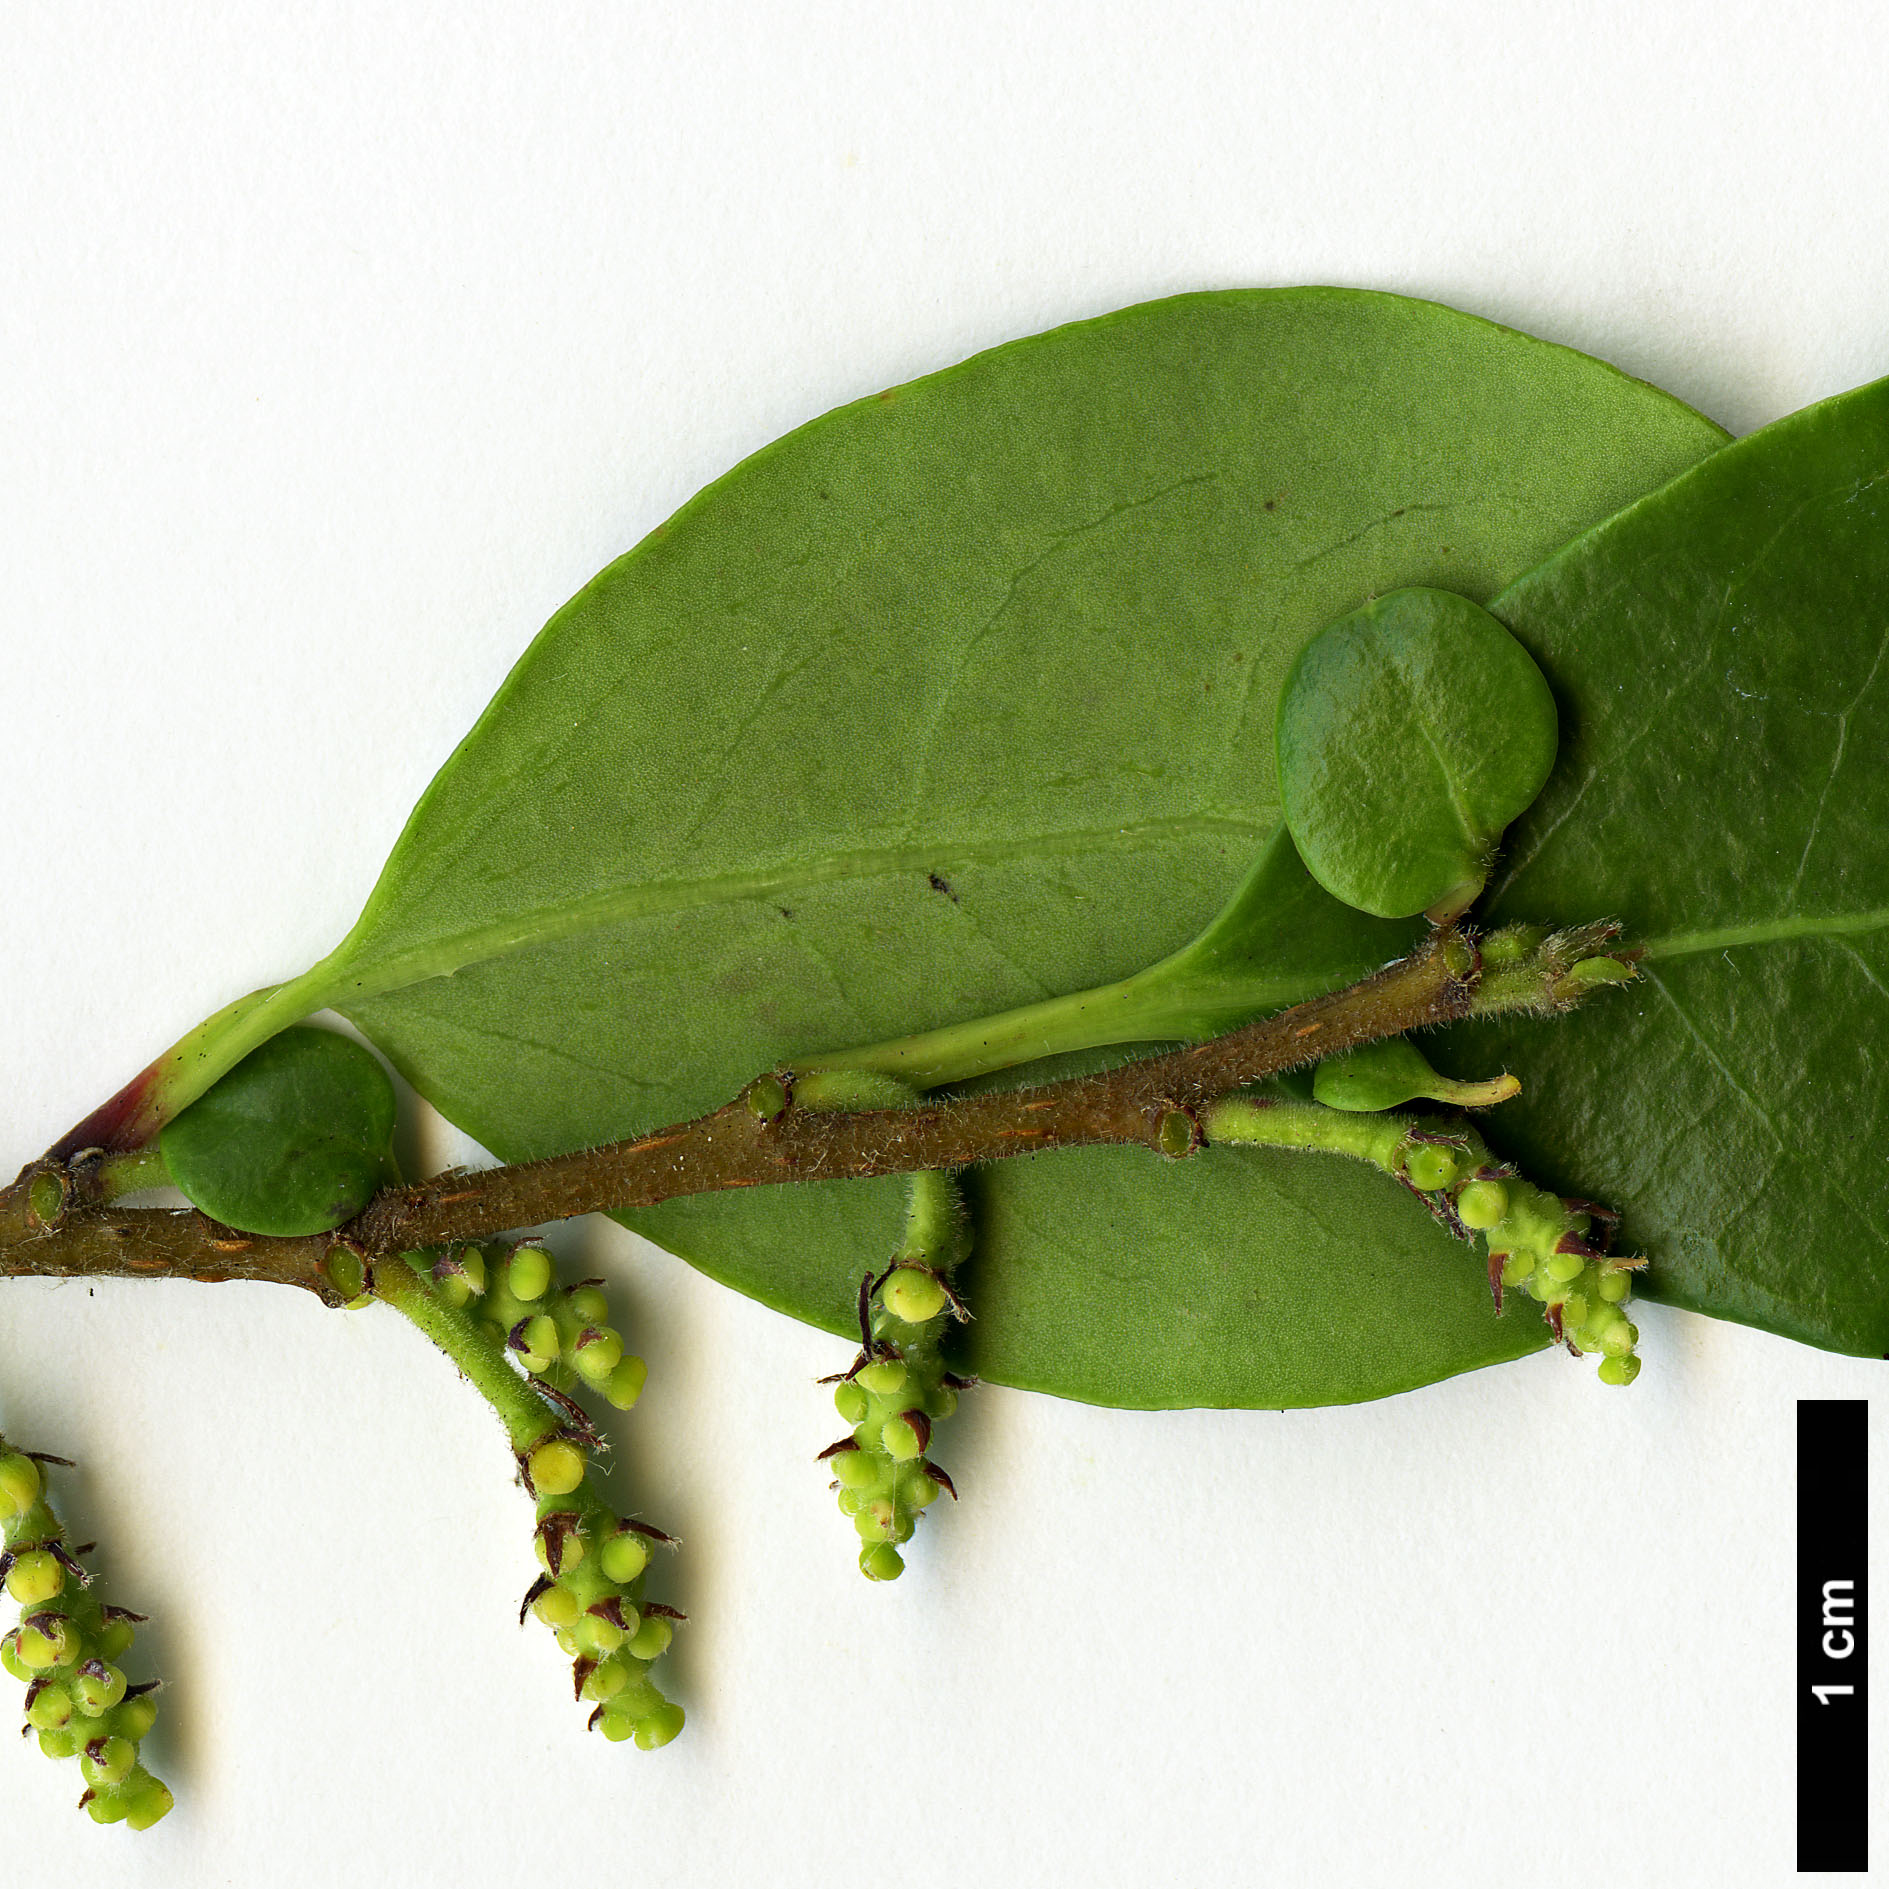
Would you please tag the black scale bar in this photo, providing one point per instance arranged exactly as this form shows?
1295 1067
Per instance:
1833 1635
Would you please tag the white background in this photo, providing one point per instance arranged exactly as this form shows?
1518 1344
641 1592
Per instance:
338 345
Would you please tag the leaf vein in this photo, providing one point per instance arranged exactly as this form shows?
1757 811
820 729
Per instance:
960 657
1717 1061
1419 509
1836 765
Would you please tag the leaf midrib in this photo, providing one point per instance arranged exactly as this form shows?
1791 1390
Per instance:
1766 931
357 975
545 925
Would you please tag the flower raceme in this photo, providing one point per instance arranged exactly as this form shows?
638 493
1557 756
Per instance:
68 1649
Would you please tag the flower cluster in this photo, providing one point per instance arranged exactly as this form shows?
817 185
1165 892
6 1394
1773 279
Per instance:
68 1650
899 1386
527 1343
560 1334
590 1596
1556 1250
1553 1249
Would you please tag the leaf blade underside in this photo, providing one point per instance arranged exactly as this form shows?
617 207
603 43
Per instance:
1724 649
959 698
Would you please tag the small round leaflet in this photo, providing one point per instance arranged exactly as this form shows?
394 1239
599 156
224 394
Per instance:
1410 734
294 1140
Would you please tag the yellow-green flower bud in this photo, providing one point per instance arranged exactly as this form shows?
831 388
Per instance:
1619 1370
557 1607
135 1717
597 1355
589 1306
1482 1205
107 1807
626 1383
623 1557
659 1727
49 1640
114 1639
16 1667
875 1521
854 1469
528 1273
900 1385
149 1802
605 1681
557 1467
1510 945
63 1743
597 1638
51 1708
107 1760
1602 1318
36 1577
19 1484
569 1540
97 1687
1614 1286
651 1638
1430 1167
536 1342
913 1294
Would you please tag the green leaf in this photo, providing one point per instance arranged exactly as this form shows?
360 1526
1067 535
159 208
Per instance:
1278 938
962 698
295 1139
1410 734
1721 655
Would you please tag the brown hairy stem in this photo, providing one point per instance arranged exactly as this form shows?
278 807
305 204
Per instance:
153 1243
1150 1103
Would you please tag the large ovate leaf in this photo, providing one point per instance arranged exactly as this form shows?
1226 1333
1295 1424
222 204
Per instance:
959 698
1721 656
